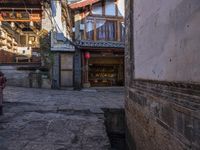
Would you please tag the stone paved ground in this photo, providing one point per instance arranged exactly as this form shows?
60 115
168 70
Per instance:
39 119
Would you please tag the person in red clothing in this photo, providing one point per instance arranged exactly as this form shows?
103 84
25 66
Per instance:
2 86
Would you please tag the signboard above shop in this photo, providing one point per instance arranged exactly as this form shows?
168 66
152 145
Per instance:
21 16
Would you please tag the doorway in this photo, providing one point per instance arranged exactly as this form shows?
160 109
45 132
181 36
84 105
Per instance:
66 70
106 71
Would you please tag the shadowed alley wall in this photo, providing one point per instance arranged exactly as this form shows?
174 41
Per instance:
162 74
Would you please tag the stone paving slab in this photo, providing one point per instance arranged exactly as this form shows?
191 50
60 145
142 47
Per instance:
39 119
53 131
78 99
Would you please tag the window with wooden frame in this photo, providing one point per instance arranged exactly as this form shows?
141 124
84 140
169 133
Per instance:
106 29
97 9
110 8
111 30
23 41
121 8
89 29
100 29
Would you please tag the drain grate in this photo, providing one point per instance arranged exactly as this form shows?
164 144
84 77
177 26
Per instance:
117 141
115 127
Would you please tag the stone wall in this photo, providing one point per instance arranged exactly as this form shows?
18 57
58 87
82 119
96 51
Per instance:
56 71
77 70
15 77
25 76
162 111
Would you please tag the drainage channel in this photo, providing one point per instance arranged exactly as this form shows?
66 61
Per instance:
115 127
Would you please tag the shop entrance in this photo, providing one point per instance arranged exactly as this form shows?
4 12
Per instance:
107 71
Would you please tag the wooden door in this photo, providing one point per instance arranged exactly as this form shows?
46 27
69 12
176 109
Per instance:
67 70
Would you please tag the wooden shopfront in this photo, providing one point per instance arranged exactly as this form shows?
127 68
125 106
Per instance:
105 68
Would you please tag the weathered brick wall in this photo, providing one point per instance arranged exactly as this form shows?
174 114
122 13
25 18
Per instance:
6 57
161 115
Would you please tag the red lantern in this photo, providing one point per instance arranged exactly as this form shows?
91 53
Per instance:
87 55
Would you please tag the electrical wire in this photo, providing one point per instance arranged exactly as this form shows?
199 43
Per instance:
25 6
53 22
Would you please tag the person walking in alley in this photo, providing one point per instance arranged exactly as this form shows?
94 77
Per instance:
2 86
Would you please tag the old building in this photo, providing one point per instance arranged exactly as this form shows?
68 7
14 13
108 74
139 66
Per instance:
162 74
62 46
33 34
20 25
99 38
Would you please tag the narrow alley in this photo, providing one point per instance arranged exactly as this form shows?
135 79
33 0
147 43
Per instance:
57 119
99 75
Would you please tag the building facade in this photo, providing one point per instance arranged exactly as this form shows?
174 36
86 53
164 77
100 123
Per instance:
62 46
99 34
35 36
162 74
20 25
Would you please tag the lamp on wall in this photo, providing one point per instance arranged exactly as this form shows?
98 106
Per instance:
31 24
12 25
30 42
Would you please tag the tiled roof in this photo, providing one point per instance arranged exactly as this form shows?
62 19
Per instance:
62 44
99 44
82 3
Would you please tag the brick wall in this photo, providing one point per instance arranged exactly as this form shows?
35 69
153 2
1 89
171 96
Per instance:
163 115
160 114
6 57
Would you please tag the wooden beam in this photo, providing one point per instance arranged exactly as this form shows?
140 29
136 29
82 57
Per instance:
33 17
94 29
